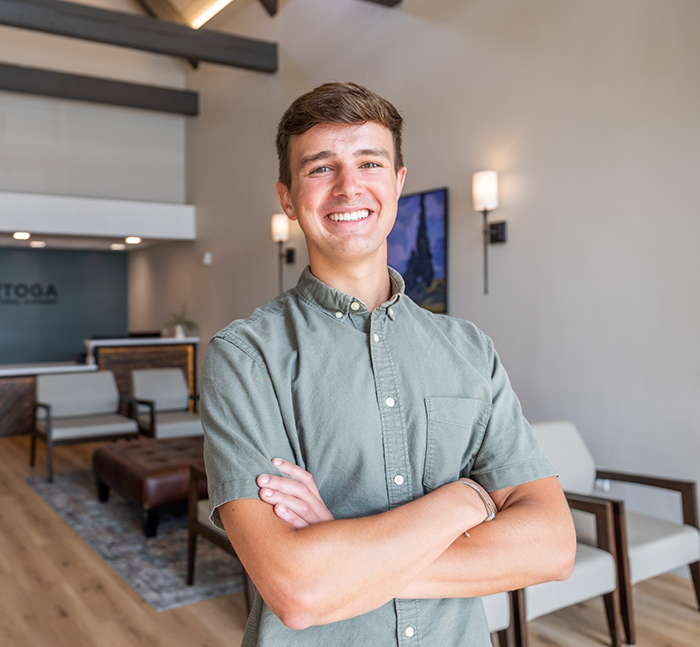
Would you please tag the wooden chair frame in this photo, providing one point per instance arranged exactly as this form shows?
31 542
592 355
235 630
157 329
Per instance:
604 512
150 430
198 476
687 490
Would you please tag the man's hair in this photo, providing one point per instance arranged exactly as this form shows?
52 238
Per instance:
335 103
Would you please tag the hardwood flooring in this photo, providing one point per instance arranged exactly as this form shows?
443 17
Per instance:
56 592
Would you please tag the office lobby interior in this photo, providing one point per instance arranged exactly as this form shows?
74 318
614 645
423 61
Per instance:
137 196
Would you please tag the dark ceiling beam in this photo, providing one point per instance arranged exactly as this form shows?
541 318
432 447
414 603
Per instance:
28 80
388 3
270 5
138 32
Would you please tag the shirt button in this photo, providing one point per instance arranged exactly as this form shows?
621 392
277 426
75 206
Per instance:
338 315
398 479
410 632
376 337
355 305
391 314
390 402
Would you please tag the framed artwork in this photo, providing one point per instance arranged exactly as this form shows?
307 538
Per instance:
418 247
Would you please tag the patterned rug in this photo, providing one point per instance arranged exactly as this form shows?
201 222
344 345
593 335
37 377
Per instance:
154 567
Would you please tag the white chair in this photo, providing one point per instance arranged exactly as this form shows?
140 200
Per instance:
161 401
77 408
647 546
497 608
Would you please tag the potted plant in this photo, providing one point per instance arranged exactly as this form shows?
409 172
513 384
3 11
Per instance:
180 322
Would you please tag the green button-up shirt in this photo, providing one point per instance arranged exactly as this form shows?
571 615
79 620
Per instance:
381 408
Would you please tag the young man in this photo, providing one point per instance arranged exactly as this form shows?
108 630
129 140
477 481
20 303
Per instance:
344 424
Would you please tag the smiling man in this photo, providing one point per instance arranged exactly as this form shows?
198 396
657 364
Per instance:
367 458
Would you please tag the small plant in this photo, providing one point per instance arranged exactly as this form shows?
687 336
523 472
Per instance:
180 319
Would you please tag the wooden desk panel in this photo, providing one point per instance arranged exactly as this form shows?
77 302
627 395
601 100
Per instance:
17 398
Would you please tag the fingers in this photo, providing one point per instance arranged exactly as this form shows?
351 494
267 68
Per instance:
295 505
297 473
287 515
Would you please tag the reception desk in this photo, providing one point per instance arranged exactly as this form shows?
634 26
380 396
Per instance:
121 356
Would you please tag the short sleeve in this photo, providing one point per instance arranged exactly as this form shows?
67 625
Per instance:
509 454
243 427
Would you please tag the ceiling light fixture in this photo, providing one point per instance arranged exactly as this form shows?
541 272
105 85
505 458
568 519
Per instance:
117 247
132 240
209 12
21 235
37 243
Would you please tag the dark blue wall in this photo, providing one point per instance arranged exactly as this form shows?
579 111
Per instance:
51 300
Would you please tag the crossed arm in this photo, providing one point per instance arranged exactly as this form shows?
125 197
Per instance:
311 569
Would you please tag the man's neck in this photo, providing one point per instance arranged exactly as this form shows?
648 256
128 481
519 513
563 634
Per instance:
368 281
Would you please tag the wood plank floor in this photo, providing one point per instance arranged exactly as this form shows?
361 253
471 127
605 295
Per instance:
55 591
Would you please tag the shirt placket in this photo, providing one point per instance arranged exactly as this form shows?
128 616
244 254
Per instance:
396 464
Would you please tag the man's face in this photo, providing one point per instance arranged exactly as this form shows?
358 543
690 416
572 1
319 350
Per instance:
344 191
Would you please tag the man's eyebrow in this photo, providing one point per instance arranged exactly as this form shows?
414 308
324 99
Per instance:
373 152
315 157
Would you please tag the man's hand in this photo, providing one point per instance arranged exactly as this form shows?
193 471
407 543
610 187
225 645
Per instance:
295 499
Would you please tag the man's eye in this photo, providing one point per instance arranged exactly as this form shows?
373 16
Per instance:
321 169
371 165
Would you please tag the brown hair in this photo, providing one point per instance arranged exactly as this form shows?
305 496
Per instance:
335 103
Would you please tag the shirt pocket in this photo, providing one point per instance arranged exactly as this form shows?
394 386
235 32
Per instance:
455 431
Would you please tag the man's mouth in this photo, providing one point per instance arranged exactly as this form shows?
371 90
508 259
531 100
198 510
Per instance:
360 214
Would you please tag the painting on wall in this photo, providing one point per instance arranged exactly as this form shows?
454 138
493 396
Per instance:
418 247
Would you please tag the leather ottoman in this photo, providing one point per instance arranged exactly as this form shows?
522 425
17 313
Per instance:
152 473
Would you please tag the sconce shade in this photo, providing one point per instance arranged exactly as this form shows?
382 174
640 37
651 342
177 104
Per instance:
280 228
485 190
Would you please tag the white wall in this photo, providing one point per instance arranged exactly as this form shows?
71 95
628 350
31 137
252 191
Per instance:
65 147
589 112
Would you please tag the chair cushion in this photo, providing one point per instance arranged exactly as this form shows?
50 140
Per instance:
594 575
77 394
564 447
70 428
203 517
656 546
166 387
174 424
497 610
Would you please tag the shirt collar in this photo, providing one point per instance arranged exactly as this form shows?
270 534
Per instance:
332 301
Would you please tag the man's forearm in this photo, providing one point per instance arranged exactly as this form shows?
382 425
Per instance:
335 570
531 540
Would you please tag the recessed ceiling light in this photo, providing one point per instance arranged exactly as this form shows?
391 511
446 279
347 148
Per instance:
132 240
21 235
37 243
117 247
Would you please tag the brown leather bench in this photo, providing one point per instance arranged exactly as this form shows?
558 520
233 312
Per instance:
152 473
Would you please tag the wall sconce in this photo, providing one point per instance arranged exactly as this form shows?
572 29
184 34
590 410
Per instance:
280 235
485 197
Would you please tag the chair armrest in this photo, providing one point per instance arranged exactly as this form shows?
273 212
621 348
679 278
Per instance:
197 475
135 402
605 514
42 405
687 490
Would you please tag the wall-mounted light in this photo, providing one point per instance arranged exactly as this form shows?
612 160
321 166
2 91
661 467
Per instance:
485 197
38 244
117 247
280 235
208 12
21 235
132 240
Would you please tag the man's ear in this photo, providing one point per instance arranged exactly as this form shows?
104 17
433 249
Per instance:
400 179
286 201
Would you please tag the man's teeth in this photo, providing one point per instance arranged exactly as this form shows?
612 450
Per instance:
354 215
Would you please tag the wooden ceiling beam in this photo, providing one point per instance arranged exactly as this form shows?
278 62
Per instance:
163 10
138 32
46 83
270 5
388 3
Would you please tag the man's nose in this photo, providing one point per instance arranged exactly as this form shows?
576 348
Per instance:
347 184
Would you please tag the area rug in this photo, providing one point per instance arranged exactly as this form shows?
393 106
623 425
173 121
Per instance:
155 567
